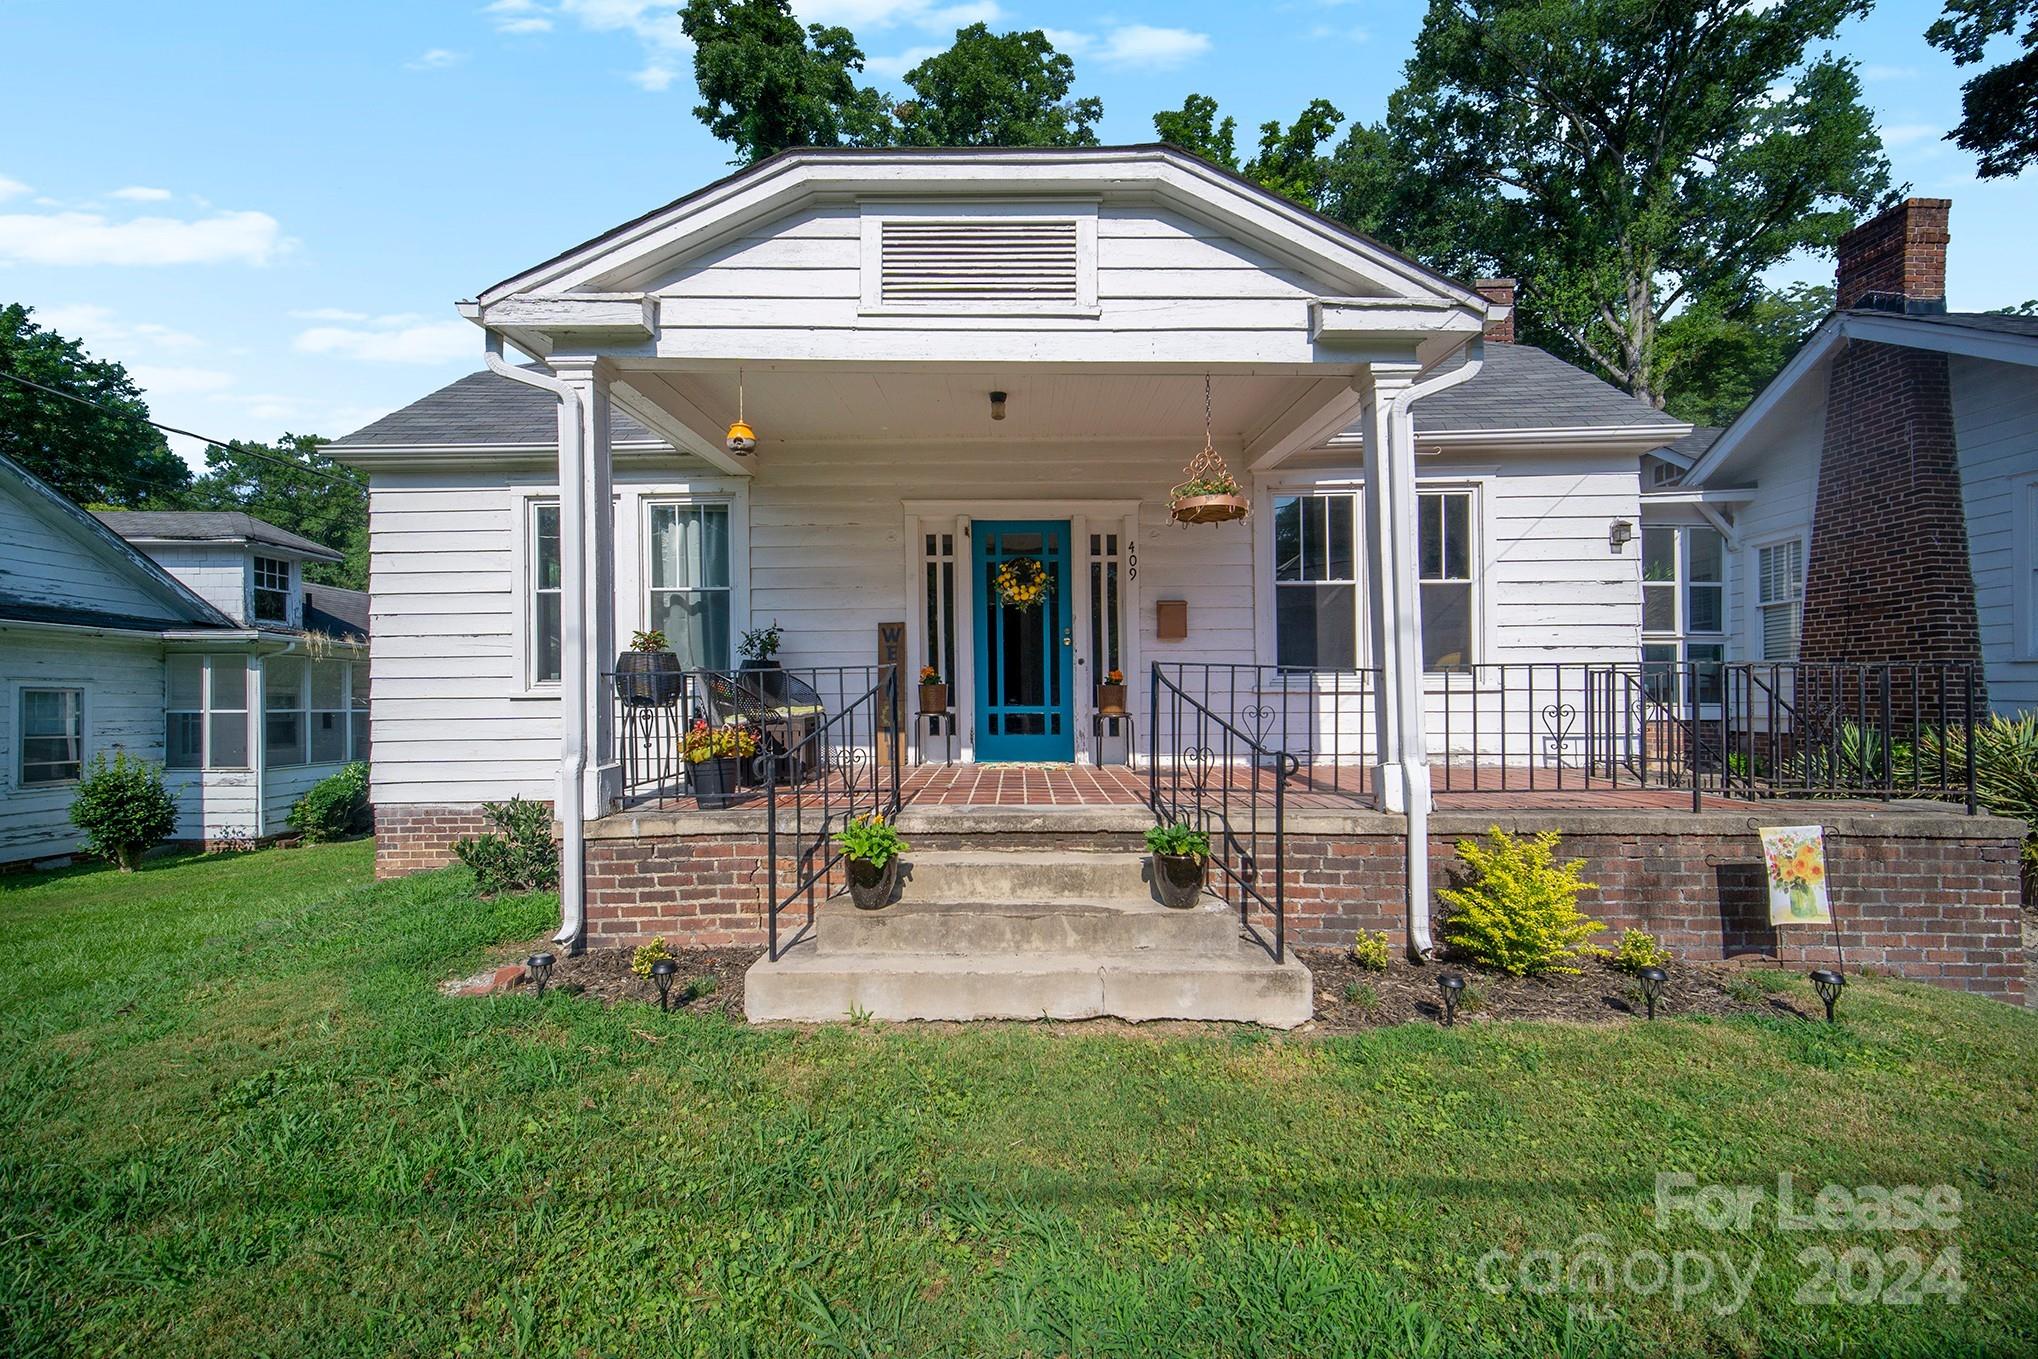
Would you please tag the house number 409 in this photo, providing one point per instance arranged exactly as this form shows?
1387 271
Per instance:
1131 561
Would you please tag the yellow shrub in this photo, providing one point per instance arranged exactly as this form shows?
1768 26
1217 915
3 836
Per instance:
1518 908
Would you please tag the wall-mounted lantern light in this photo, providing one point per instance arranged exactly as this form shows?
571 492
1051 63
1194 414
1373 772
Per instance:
997 405
1620 534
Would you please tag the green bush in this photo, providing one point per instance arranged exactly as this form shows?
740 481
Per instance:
1179 841
2005 775
1517 910
655 951
518 855
1639 949
1369 950
335 806
123 809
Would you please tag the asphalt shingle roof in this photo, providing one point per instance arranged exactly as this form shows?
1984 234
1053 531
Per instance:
1522 387
1974 320
1694 444
336 612
482 408
208 526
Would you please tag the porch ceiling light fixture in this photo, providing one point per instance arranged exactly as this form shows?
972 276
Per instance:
1452 986
1208 494
1829 985
997 405
538 967
1652 980
661 976
741 439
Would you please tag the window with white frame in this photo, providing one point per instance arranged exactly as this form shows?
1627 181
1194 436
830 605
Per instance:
1316 591
1107 595
1444 575
689 594
543 589
2025 589
1779 598
52 736
313 711
272 590
283 743
205 724
1683 610
328 712
357 691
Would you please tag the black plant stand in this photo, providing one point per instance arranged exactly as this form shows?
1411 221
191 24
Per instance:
926 735
1122 726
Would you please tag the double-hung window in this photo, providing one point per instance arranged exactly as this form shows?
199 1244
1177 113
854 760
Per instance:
1779 599
543 588
1683 609
272 590
1316 594
205 725
52 736
688 581
1444 575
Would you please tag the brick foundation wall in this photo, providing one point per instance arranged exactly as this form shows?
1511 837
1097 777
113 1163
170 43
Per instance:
1930 896
412 838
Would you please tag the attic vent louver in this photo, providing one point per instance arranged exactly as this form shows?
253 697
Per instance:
998 262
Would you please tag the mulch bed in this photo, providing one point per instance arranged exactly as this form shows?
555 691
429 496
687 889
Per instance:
1349 998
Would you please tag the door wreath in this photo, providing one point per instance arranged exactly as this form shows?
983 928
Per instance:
1021 582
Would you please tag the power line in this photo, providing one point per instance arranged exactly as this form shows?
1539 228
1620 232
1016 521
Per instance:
232 444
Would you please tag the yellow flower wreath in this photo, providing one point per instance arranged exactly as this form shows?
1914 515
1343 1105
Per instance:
1022 582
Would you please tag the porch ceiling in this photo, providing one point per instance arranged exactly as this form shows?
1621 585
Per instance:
893 404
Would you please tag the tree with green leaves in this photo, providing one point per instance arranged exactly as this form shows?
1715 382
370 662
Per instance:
1999 107
996 89
767 84
1290 161
290 483
1622 158
100 454
1715 359
1194 128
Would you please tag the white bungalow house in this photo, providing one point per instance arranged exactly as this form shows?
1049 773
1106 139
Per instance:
188 639
952 360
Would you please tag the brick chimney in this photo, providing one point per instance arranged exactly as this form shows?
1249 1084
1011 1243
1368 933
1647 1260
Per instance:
1499 291
1897 261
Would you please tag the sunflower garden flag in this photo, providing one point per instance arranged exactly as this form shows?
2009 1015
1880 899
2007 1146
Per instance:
1796 856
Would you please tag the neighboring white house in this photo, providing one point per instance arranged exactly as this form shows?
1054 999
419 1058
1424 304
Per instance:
188 639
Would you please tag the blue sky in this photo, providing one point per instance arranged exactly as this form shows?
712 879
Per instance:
267 210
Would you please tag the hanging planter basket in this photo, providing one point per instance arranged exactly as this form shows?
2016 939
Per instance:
1209 494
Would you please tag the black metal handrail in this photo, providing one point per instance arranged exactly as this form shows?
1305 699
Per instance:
1230 786
846 767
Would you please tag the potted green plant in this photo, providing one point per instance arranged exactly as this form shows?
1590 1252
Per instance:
759 648
1208 499
714 761
648 674
1179 854
871 848
933 691
1111 694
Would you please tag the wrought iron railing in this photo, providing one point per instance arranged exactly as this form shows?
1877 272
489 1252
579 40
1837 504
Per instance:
1230 782
1323 719
845 767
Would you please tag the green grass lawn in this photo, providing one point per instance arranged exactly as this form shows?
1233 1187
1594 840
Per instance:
237 1117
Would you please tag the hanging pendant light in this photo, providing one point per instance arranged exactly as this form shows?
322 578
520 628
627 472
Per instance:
741 439
1208 494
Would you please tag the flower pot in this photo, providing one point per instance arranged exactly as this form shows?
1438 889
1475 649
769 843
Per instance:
1111 700
1177 879
1209 509
715 782
871 886
933 698
648 679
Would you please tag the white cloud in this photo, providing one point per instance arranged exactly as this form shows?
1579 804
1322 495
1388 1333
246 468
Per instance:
1129 45
9 188
395 339
88 238
655 22
653 77
329 314
137 193
896 66
518 17
437 59
1907 134
107 335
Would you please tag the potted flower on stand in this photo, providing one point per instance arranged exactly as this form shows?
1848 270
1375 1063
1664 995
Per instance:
1111 694
871 848
648 674
714 761
759 648
933 691
1179 855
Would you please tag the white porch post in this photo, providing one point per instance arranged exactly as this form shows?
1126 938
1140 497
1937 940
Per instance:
1393 612
587 501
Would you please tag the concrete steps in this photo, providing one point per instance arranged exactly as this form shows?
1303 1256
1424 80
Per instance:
1007 934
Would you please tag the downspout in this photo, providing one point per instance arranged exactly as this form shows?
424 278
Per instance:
573 757
1408 645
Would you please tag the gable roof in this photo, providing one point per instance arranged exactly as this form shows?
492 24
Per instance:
1978 335
188 609
209 526
483 409
1522 387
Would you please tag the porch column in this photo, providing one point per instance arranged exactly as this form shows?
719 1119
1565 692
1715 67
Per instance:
1393 615
588 625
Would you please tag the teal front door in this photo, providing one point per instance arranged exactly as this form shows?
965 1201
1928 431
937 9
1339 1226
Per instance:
1025 661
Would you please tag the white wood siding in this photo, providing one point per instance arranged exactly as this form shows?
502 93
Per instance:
122 681
1995 419
44 562
1788 486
